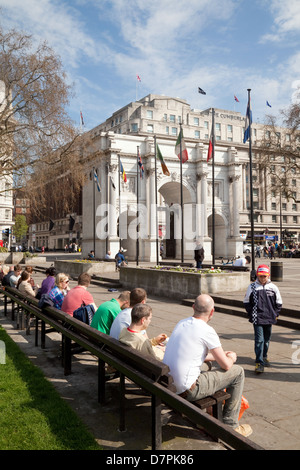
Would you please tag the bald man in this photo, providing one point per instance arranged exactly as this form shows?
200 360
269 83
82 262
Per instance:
194 342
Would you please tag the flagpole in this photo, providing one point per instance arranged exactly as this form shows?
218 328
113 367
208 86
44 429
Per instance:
156 217
137 204
213 186
94 209
120 244
107 194
181 196
251 185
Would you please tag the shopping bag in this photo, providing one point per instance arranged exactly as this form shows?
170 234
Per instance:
244 406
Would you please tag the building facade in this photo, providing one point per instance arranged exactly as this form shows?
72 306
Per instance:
175 207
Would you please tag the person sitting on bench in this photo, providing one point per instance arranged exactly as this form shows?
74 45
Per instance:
136 337
193 342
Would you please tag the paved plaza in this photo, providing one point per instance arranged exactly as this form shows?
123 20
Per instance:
274 396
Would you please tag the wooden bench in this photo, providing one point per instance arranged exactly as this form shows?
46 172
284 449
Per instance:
149 374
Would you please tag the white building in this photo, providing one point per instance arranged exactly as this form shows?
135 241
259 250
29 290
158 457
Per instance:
136 127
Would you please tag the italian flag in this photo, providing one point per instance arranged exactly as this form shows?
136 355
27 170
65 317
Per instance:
184 156
162 162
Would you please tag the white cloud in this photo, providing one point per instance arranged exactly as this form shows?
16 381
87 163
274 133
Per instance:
286 19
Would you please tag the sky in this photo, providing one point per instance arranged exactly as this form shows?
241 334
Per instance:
223 46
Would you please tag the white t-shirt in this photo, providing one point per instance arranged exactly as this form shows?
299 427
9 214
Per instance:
122 320
187 349
240 262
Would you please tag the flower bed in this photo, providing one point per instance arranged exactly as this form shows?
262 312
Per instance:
180 283
75 267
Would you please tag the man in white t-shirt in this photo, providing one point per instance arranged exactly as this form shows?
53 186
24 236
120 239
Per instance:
193 342
242 261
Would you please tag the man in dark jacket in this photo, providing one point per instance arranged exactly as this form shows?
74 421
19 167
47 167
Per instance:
263 303
199 255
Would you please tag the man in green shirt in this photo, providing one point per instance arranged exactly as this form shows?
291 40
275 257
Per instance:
107 312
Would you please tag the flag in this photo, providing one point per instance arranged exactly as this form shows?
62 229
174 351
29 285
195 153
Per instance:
210 148
51 225
141 166
138 78
162 162
201 91
81 117
268 104
123 172
97 181
184 156
248 123
235 98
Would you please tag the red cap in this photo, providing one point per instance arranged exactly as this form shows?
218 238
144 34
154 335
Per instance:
263 269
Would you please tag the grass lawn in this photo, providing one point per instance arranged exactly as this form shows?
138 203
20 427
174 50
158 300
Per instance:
32 414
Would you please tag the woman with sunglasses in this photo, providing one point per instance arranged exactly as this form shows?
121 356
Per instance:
60 289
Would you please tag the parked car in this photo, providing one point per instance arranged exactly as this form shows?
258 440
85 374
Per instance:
247 248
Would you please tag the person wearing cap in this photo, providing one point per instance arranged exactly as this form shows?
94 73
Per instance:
263 304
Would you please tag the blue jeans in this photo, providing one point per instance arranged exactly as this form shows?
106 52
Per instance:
262 336
199 264
214 380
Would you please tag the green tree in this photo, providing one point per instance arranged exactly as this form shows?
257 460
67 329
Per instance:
20 228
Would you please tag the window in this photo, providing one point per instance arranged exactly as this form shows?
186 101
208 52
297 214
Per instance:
205 124
150 128
218 126
229 128
197 134
295 219
167 130
255 192
196 121
294 207
7 214
149 114
165 117
284 219
284 206
273 206
294 182
174 130
172 118
179 119
274 219
134 127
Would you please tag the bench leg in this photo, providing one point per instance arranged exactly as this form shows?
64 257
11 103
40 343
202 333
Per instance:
156 422
36 330
67 355
43 335
101 381
122 403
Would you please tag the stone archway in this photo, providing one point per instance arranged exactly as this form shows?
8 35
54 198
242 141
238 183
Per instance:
169 216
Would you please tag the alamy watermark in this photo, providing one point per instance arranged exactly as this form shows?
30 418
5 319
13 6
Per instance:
138 220
2 352
296 353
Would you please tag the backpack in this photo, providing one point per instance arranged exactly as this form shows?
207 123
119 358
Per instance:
45 301
84 313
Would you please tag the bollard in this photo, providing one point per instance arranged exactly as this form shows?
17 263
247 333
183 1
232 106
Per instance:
276 271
